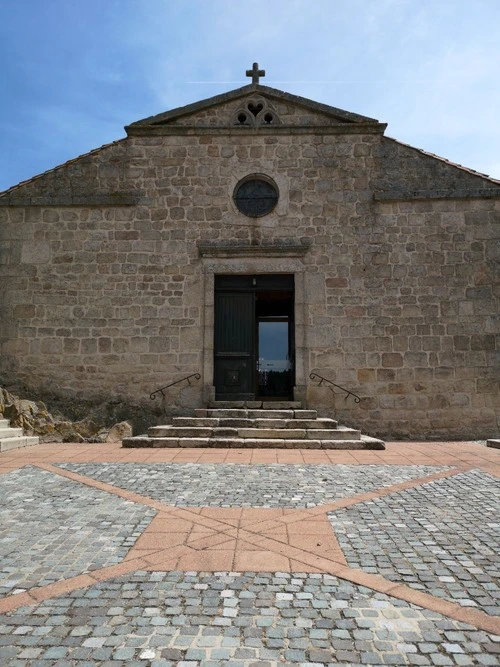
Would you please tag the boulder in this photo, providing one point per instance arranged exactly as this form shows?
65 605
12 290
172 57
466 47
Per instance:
117 432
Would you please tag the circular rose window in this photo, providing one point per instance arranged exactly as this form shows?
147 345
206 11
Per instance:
255 196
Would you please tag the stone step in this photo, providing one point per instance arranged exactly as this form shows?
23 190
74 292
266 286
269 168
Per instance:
168 431
180 431
245 413
13 438
235 422
298 434
241 424
7 444
253 405
9 432
364 442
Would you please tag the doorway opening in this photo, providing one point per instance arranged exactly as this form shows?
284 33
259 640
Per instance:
254 337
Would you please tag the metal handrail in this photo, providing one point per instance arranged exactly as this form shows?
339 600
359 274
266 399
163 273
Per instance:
315 376
152 396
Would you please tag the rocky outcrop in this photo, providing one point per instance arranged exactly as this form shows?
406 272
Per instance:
35 419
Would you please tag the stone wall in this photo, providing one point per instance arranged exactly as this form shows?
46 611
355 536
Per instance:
416 320
107 302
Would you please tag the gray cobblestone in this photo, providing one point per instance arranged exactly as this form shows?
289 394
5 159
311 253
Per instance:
234 485
441 537
291 640
52 528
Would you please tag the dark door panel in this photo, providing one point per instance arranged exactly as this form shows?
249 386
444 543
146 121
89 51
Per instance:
234 345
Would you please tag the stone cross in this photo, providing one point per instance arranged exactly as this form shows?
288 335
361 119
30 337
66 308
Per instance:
255 73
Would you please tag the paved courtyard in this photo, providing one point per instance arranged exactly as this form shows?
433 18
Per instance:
120 557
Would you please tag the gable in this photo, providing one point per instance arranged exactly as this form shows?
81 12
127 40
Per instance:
255 107
254 111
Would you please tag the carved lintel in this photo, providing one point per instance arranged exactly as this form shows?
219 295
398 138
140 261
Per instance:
284 249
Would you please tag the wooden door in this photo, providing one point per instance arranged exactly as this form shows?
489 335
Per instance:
234 345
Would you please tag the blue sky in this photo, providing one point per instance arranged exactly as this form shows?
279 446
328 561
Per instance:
74 72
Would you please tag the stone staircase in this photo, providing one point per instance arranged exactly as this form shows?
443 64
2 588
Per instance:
254 424
13 438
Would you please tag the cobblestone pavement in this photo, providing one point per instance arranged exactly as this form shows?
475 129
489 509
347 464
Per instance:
123 558
442 537
236 620
230 485
52 528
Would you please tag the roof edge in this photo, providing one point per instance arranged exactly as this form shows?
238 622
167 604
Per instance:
13 188
472 172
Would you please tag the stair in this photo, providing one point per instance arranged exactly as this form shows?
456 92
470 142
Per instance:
13 438
243 425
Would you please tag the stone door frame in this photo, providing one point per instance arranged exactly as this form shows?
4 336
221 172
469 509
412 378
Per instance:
254 266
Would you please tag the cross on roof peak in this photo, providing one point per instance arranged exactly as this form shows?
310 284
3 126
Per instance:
255 73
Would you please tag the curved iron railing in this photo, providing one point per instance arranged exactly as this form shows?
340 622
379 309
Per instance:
315 376
152 396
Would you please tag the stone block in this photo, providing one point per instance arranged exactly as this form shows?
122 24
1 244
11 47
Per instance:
392 360
229 443
195 421
24 311
270 433
51 346
270 423
224 432
10 432
344 444
319 423
137 441
8 444
230 404
337 434
271 414
277 405
220 413
179 432
35 252
233 422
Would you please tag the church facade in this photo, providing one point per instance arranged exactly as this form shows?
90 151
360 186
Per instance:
266 245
